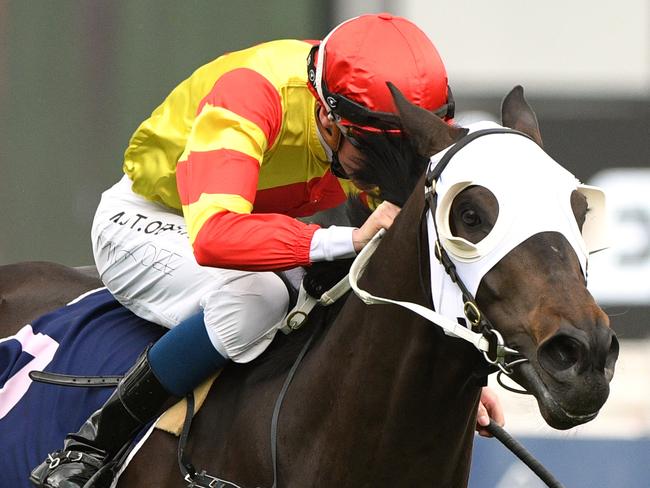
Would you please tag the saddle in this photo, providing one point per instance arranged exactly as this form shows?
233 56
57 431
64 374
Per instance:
306 290
322 284
173 418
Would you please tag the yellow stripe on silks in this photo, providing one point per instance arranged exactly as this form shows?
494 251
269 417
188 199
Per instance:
197 213
219 128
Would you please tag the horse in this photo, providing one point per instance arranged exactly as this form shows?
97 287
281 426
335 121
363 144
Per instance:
383 397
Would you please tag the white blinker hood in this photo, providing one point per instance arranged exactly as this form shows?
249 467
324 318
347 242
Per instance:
534 196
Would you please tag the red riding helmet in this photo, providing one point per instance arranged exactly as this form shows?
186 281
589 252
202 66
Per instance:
349 69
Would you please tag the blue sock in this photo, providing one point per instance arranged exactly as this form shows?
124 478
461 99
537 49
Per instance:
184 356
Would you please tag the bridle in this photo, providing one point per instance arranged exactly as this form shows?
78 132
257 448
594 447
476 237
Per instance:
478 320
481 333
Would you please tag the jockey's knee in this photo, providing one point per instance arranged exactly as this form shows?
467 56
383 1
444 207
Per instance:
242 315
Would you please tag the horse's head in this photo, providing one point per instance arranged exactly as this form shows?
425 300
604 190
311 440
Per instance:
517 227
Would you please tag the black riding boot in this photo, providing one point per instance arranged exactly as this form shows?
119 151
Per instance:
138 399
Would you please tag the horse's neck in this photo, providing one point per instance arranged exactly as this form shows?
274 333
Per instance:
383 385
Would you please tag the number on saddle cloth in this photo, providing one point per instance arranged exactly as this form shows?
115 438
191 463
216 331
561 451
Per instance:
95 336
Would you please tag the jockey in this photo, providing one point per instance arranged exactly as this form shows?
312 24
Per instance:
205 213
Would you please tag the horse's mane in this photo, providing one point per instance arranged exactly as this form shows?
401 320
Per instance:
389 162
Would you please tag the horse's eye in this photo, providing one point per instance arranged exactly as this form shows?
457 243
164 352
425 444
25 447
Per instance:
470 217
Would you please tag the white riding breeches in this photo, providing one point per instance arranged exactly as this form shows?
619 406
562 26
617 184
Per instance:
144 258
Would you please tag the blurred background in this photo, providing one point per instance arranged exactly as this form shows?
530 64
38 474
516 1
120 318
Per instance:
77 77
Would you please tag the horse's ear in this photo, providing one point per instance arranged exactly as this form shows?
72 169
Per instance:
518 115
428 133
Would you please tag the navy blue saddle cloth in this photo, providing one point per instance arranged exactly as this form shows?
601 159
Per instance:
93 336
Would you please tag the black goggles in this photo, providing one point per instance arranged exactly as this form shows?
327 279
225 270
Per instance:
350 134
359 115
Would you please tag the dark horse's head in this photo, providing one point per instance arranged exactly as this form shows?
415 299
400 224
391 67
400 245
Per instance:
535 293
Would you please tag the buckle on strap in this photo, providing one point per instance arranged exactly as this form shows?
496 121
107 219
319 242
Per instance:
306 303
298 315
204 480
472 313
63 457
53 461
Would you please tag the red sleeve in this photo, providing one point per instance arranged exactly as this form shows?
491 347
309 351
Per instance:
255 242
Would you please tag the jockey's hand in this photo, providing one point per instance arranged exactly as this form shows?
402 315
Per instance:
489 406
381 218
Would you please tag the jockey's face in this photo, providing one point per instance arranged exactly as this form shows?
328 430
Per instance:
350 158
349 155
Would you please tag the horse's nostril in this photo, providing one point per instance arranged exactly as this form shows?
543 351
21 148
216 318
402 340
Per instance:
612 356
560 353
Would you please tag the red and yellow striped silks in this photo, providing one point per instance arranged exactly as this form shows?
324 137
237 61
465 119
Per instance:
235 147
